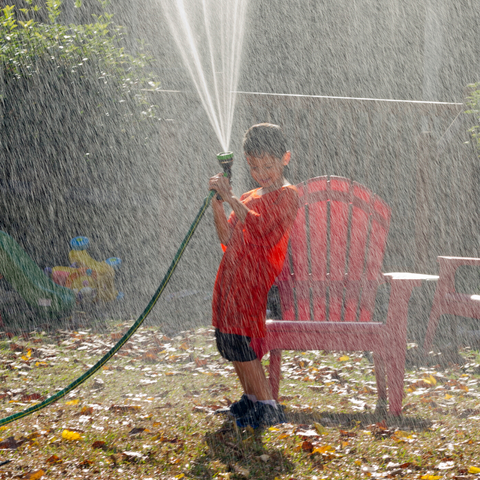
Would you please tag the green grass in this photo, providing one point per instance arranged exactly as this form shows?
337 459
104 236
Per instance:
167 390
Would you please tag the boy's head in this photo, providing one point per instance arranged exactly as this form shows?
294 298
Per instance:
264 139
265 148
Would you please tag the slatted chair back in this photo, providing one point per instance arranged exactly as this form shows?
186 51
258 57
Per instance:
337 245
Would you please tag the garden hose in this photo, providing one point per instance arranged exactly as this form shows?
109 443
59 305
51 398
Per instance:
128 334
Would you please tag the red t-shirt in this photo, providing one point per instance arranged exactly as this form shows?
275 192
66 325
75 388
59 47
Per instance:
252 260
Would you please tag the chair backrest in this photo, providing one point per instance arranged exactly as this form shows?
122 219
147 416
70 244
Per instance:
336 249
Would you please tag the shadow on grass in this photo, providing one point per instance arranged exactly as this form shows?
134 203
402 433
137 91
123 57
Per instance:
240 452
360 419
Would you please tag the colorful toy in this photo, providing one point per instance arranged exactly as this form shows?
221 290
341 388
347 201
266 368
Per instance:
89 279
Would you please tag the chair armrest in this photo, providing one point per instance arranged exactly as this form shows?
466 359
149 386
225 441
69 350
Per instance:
420 277
455 262
402 285
448 268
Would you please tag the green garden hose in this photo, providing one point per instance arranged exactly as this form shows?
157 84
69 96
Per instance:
131 331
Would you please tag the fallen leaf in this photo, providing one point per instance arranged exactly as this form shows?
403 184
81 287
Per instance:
324 449
99 444
241 471
85 463
320 428
446 465
10 444
137 430
133 456
70 436
307 446
16 347
125 408
54 459
473 469
31 397
344 358
73 402
150 357
34 475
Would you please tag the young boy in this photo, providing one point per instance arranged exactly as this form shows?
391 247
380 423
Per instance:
256 238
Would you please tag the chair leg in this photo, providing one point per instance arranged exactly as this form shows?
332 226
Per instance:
380 376
274 376
431 329
395 377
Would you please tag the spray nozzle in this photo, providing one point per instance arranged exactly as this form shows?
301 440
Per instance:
225 159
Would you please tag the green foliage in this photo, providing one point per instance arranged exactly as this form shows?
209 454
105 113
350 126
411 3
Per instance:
28 47
473 103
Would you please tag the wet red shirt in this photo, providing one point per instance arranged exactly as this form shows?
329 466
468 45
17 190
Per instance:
252 260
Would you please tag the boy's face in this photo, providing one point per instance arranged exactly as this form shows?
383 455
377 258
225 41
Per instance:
267 170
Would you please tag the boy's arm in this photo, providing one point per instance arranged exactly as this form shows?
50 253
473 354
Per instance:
224 229
222 225
221 184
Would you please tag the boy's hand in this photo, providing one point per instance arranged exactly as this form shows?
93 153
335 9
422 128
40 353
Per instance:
221 185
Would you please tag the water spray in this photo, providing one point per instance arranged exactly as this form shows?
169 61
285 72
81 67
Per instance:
226 160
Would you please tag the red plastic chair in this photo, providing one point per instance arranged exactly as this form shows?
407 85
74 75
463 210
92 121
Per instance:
329 282
446 300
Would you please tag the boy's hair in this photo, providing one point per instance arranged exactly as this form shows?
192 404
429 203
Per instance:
264 138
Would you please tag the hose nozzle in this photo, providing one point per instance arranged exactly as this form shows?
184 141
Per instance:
225 159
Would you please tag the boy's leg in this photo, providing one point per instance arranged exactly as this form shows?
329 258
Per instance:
252 377
266 411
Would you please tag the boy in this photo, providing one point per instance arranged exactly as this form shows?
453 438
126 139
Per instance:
256 238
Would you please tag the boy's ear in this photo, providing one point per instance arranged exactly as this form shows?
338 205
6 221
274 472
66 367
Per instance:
286 158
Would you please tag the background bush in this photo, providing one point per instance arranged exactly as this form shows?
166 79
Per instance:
76 127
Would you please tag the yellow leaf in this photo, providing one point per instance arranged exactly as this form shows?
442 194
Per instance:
448 397
321 430
358 462
34 475
274 429
70 436
431 477
344 358
472 469
181 475
401 433
324 449
431 380
73 402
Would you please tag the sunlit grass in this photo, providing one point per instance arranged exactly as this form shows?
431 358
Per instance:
149 414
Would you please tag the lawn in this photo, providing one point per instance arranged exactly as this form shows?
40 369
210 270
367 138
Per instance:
149 414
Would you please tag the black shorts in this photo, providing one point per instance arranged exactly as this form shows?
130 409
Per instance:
235 348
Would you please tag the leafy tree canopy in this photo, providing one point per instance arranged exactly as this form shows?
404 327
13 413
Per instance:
33 41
